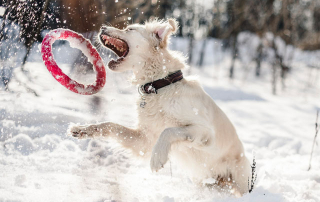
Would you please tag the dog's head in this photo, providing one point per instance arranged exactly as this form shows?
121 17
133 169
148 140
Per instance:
137 43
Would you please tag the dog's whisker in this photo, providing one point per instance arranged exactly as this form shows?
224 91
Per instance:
107 24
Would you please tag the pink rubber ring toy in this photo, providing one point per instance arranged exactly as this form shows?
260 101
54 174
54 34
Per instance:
77 41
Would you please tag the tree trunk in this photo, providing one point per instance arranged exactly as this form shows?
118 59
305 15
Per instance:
274 78
202 52
190 50
234 56
277 62
258 60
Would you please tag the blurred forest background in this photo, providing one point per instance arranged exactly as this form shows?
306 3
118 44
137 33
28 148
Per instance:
275 29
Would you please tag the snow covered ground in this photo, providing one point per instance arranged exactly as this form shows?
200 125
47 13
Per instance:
38 162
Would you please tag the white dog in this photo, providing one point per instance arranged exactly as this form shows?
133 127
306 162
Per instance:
177 119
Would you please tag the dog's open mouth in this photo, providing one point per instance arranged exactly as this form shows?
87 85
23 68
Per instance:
118 46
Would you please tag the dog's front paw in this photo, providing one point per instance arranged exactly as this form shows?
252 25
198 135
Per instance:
158 159
82 132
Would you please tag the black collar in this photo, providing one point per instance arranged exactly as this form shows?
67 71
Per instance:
154 86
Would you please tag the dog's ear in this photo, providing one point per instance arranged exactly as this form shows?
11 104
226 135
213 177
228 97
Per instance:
164 30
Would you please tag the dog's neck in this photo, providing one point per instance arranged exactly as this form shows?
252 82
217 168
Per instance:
163 63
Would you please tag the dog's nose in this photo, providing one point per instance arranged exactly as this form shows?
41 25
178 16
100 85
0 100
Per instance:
104 28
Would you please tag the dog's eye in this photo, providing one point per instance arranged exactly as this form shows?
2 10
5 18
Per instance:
130 29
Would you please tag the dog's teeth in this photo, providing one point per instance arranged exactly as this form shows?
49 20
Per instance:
106 42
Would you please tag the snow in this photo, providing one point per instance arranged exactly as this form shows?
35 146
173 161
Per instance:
2 10
38 162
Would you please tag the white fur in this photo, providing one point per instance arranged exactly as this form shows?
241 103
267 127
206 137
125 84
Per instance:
181 122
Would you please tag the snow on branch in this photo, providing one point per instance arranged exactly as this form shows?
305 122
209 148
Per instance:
317 126
253 176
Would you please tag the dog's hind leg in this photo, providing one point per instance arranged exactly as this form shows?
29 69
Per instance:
198 136
129 138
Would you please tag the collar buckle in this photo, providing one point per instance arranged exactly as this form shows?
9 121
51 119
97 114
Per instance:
141 90
147 89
